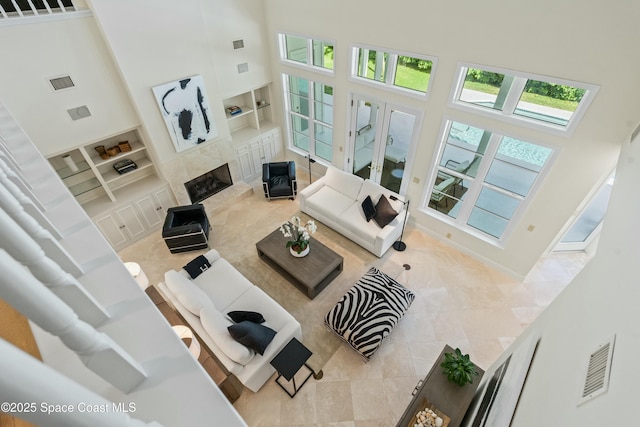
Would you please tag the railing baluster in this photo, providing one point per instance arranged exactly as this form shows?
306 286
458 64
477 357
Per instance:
47 7
33 8
46 4
61 6
17 7
98 351
23 248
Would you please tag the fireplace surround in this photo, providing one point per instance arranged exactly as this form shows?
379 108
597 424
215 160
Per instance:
208 184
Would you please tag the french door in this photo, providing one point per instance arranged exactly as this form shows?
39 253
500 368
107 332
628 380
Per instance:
382 141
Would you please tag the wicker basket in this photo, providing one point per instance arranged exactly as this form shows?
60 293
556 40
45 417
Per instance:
124 146
102 152
113 151
427 405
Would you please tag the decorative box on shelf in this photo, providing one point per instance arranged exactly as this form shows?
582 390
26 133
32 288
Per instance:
429 416
234 110
124 166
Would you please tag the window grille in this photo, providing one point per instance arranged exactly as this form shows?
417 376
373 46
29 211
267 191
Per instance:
23 8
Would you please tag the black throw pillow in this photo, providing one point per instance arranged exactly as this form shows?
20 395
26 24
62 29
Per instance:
384 212
253 335
368 208
251 316
197 266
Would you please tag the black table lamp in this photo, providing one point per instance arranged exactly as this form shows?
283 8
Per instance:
399 245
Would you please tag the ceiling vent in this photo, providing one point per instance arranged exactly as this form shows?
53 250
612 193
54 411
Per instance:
596 380
78 113
238 44
60 83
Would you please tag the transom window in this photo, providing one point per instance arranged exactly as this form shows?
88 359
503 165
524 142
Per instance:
483 179
307 52
309 107
544 102
398 71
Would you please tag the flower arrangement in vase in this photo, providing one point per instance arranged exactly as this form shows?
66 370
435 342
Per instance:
298 235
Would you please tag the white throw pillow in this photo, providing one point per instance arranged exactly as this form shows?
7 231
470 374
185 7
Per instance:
188 293
216 326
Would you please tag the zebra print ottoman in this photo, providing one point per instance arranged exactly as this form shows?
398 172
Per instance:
369 311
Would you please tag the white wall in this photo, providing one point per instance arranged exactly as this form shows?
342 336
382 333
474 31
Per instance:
154 42
34 53
572 40
158 42
600 302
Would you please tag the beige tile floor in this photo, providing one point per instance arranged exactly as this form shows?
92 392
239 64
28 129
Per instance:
468 306
459 301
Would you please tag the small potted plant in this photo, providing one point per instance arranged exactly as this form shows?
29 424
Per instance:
299 235
458 368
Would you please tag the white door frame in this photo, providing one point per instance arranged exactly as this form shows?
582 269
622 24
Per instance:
382 129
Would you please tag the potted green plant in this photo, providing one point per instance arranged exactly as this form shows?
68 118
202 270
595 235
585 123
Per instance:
458 368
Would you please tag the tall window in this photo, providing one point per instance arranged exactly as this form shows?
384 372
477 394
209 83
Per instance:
483 179
307 52
543 102
402 72
309 107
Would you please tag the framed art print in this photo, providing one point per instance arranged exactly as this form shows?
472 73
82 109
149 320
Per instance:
185 109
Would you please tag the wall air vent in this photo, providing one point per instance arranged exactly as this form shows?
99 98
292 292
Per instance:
243 68
238 44
78 113
60 83
597 372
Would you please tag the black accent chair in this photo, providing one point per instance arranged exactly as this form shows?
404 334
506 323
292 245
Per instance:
279 180
186 228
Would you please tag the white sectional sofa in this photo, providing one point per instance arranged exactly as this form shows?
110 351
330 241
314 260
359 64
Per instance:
204 303
336 201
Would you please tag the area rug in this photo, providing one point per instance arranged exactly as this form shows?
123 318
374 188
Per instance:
234 233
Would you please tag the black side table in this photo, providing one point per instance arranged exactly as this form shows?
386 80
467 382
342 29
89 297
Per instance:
289 361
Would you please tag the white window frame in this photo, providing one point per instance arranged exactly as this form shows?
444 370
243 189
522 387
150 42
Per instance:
282 45
311 118
391 67
507 113
478 184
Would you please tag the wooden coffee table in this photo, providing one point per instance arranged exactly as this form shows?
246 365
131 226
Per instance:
312 273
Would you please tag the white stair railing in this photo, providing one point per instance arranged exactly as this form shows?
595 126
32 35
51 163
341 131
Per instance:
98 352
18 201
45 7
45 239
9 174
25 250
